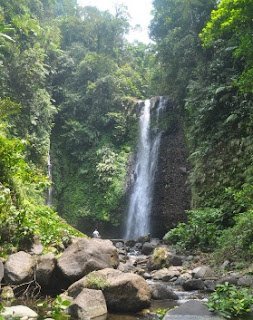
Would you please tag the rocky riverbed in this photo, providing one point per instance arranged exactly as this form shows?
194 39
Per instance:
103 277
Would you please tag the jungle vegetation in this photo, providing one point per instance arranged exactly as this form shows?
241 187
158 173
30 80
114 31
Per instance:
69 85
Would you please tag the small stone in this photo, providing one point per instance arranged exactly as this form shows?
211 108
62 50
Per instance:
146 276
7 293
119 245
189 258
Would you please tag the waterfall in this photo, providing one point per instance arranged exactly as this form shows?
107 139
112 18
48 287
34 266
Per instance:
140 204
50 190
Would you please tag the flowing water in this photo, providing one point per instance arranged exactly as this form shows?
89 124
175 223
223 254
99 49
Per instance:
140 204
50 190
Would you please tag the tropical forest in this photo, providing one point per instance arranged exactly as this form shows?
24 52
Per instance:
148 144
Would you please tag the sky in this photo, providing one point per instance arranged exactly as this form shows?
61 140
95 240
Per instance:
139 11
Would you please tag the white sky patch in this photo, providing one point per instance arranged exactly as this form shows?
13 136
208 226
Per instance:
139 10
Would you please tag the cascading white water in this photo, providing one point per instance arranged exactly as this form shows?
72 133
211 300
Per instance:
50 190
138 218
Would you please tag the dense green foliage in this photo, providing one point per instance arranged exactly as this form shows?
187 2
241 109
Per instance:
69 85
76 81
26 110
212 83
230 301
202 230
95 128
22 213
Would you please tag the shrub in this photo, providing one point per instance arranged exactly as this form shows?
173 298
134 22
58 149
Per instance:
202 230
237 242
230 301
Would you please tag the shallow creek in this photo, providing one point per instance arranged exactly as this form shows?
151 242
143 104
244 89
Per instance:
184 296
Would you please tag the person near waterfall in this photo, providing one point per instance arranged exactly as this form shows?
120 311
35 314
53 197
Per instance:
95 234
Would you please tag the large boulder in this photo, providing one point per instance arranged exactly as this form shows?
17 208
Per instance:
161 292
231 278
45 268
204 273
85 256
19 268
148 248
124 292
193 284
159 259
88 304
166 274
175 260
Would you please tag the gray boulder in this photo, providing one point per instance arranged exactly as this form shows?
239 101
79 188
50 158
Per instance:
19 268
246 281
230 278
210 285
85 256
124 292
175 260
204 273
119 245
45 268
193 284
143 239
165 274
148 248
158 259
88 304
146 276
161 292
183 277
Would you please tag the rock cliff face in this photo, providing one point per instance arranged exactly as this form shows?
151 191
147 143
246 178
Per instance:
171 190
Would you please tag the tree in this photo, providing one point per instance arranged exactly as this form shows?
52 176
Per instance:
175 28
233 19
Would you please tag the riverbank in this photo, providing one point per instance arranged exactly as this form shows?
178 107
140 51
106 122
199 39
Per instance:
101 277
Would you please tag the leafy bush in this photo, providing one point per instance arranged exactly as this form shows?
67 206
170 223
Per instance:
56 309
22 190
202 230
237 242
230 301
